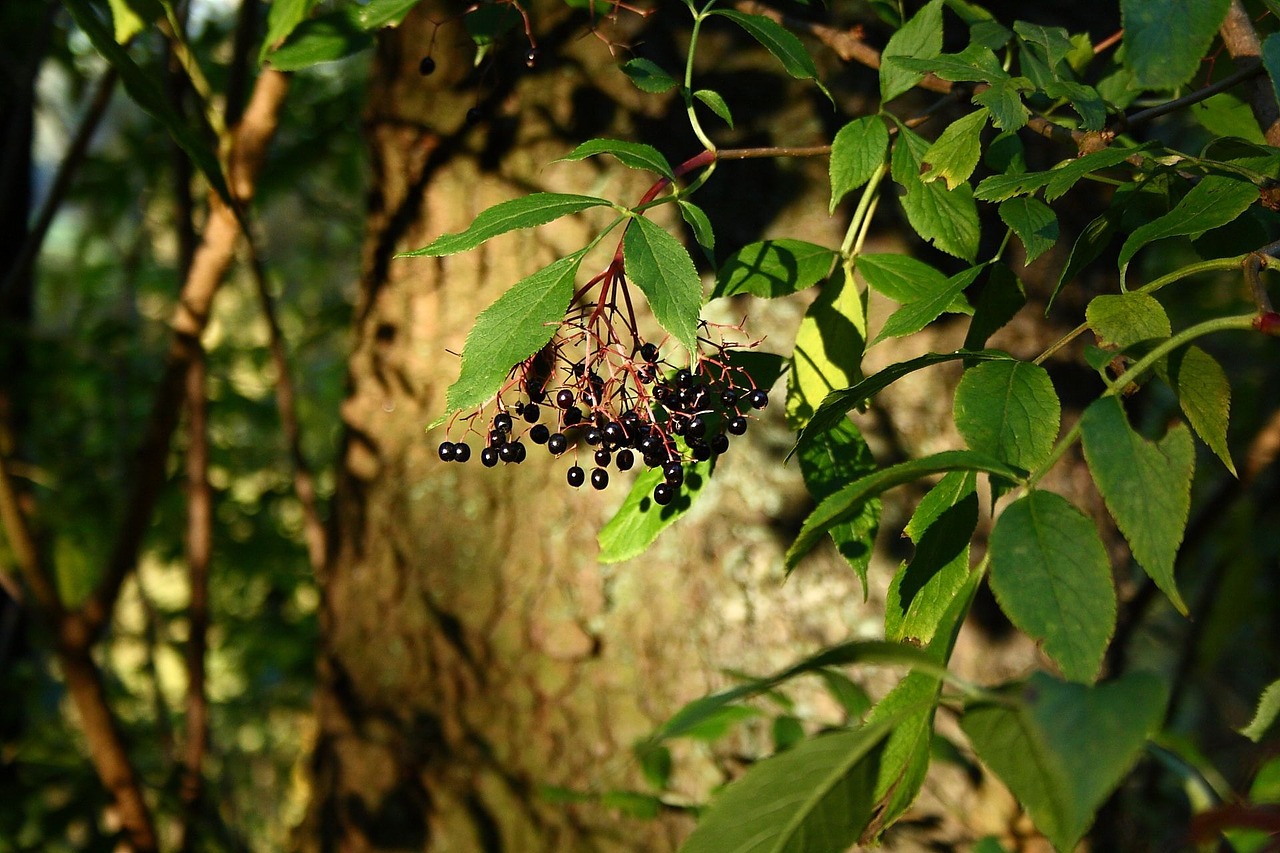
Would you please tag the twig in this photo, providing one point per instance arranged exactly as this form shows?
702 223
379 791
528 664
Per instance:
303 481
1241 41
1247 71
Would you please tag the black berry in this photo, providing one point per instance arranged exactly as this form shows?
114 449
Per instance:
557 443
508 452
599 478
673 473
497 437
427 66
502 421
532 413
737 425
684 379
572 415
758 399
446 451
719 443
701 450
520 453
624 460
603 457
461 452
489 457
593 437
564 398
649 353
663 494
576 476
539 434
697 427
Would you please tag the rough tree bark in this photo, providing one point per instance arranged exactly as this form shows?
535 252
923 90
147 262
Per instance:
474 649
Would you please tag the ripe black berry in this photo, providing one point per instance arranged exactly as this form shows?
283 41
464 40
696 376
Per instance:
461 452
497 437
737 425
663 494
572 415
701 450
603 457
427 66
532 413
446 451
729 396
489 457
599 478
564 398
557 443
697 427
507 452
673 473
502 421
539 434
615 433
649 353
719 443
520 452
758 399
576 476
624 460
592 436
684 379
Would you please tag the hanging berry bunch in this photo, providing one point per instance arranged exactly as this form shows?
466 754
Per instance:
600 395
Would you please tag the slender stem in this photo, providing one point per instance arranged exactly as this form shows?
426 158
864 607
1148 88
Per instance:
688 79
860 214
1247 72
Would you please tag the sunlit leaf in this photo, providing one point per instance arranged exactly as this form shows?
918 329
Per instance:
524 212
660 266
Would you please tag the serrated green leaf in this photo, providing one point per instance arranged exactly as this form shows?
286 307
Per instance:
919 38
954 155
1049 571
525 212
1053 43
902 278
1227 115
1091 243
948 491
837 403
660 266
1146 486
828 348
700 224
1085 100
146 93
1265 716
325 38
856 152
1056 181
1009 410
914 316
635 155
946 218
1215 201
639 520
847 502
716 103
1165 40
1064 747
975 64
773 268
283 17
1001 298
510 330
1003 99
921 591
648 76
1205 397
1034 222
1122 320
831 461
779 41
815 796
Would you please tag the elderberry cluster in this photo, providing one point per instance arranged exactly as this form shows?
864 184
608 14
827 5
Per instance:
612 409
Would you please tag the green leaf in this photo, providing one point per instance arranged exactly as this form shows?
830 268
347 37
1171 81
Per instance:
946 218
1121 320
948 492
639 520
1009 410
856 152
1165 40
1049 571
700 225
1056 181
906 280
854 652
1226 114
716 103
787 732
524 212
1146 486
1063 748
852 697
954 155
1084 99
283 16
1205 397
1001 298
773 268
1265 717
1004 100
648 76
780 42
663 270
635 155
1034 222
326 38
143 88
922 590
976 63
655 764
1091 243
914 316
919 38
379 13
1053 43
847 502
510 330
127 21
815 796
1215 201
831 461
837 403
828 348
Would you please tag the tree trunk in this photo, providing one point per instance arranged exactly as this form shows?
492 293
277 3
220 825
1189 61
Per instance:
474 649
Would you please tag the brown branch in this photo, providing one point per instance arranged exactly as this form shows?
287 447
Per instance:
199 547
212 259
1241 41
22 542
304 486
